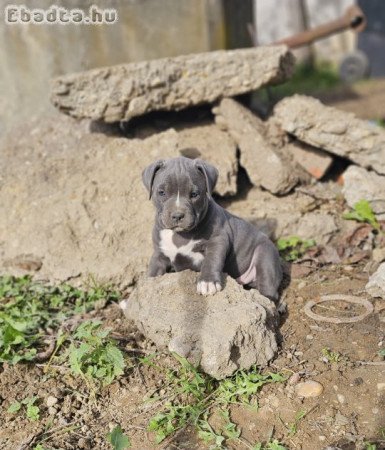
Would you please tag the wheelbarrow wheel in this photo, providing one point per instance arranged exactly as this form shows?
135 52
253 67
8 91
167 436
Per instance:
354 67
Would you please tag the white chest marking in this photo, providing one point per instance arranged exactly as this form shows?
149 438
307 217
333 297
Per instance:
169 249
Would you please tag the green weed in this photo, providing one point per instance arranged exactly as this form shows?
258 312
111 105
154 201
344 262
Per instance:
382 352
94 355
28 308
293 426
293 247
208 435
369 446
363 212
272 445
332 357
305 80
195 396
118 440
32 412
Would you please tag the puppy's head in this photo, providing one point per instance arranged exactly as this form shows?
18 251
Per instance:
180 189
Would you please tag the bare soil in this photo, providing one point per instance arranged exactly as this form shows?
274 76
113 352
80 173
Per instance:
350 411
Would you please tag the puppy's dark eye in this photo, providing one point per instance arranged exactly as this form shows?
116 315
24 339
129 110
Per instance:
161 192
194 194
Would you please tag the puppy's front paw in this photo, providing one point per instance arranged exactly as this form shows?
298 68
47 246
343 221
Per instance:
208 287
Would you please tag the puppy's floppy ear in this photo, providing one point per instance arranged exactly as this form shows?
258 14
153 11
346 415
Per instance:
209 172
148 174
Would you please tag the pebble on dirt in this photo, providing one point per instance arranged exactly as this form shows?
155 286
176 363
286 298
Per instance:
309 389
376 283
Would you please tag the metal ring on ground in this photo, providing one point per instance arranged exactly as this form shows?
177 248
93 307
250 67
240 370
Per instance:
344 298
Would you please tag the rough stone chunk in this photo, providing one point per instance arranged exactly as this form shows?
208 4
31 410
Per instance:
265 166
314 161
214 145
360 184
125 91
376 284
231 330
338 132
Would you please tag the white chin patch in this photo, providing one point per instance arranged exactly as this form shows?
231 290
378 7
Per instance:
208 287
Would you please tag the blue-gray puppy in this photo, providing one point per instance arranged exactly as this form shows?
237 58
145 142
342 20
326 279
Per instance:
193 232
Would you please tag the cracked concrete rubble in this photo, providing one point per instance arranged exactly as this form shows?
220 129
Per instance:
125 91
360 184
264 165
376 284
233 330
335 131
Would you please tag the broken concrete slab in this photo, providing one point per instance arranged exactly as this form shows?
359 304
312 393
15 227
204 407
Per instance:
125 91
223 333
314 161
335 131
361 184
284 216
318 226
264 165
376 285
212 144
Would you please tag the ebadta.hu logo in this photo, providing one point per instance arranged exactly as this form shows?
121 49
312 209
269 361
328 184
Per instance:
21 14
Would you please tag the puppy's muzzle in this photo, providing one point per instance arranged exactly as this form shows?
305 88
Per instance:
177 216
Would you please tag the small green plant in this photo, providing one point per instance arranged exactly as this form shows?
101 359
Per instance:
332 357
363 212
293 247
196 394
32 412
293 426
382 352
308 79
369 446
118 440
243 385
94 355
208 435
272 445
28 308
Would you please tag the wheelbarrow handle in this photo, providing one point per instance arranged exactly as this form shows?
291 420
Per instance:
353 18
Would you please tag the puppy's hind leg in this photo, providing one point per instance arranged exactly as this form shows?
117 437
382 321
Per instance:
268 270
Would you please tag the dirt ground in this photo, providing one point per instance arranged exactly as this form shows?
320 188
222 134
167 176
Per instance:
350 411
349 414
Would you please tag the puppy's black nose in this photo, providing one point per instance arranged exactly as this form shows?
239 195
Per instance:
177 216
